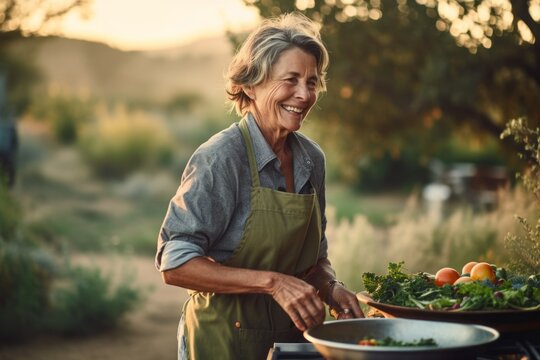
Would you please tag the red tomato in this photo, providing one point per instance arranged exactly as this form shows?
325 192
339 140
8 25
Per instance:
446 276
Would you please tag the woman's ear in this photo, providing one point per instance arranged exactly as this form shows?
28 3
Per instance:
248 90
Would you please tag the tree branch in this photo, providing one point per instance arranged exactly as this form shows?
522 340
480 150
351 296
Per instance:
464 113
63 11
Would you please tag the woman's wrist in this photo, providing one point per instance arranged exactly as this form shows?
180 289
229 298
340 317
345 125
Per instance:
329 288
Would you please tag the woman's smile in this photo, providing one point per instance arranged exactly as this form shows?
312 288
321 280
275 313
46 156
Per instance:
282 102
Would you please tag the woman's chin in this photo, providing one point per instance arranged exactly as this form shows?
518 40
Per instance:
292 122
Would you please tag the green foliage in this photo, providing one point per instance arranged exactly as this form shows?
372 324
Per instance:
378 209
399 77
10 215
525 247
183 102
459 149
24 287
65 115
19 75
419 291
88 304
387 172
120 143
35 296
399 288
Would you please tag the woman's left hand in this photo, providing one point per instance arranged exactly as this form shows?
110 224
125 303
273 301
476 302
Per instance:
343 303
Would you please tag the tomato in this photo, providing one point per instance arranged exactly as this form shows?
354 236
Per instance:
468 266
463 280
368 342
483 271
446 276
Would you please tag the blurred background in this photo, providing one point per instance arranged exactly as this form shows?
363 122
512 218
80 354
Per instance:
431 112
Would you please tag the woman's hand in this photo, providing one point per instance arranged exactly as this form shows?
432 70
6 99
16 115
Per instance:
299 300
343 303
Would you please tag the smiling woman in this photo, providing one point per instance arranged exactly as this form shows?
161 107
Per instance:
147 25
245 231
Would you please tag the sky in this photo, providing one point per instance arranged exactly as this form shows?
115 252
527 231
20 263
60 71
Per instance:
156 24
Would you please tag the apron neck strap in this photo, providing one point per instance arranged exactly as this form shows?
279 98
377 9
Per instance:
251 153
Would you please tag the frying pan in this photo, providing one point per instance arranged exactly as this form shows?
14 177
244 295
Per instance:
337 340
504 321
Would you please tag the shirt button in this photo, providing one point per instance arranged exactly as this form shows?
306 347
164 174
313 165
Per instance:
308 162
237 325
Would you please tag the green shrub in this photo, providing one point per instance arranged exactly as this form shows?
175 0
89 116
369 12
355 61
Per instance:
185 102
65 115
10 214
524 246
388 172
87 303
24 286
121 143
35 297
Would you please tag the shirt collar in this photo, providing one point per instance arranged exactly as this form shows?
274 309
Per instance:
263 152
303 164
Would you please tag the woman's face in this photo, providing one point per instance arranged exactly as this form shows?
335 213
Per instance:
284 100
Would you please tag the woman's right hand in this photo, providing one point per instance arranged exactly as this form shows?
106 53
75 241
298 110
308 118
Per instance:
299 300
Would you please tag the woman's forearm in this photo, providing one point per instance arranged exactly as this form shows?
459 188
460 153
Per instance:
204 274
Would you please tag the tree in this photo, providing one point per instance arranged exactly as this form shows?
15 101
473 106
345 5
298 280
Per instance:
28 17
20 19
409 73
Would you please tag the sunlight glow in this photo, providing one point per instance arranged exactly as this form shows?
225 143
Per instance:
147 24
525 32
305 4
473 26
534 9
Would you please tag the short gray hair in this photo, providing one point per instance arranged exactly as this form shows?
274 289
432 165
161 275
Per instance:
253 62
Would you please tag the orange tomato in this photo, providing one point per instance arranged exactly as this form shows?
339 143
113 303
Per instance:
446 275
467 267
483 271
463 280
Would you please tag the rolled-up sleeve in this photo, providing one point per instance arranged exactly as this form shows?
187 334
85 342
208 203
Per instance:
199 213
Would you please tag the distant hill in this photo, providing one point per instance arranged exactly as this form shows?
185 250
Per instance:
85 67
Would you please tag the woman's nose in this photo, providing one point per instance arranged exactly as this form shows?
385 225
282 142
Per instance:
302 91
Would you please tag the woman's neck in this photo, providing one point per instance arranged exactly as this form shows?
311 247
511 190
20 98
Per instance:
276 138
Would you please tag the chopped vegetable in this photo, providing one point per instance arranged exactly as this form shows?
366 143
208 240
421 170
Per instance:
388 341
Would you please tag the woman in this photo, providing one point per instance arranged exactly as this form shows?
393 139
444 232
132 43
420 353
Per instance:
245 230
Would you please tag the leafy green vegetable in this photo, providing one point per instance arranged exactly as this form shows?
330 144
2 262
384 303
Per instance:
389 341
419 291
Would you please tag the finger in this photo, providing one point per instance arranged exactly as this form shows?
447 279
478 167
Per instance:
298 322
356 310
311 315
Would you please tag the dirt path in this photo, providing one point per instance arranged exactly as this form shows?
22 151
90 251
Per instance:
147 333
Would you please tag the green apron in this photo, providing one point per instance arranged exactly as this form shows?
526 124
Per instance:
282 234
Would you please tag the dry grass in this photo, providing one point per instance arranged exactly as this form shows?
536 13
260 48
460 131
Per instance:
356 246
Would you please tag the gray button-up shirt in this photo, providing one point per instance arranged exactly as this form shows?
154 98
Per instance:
206 217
